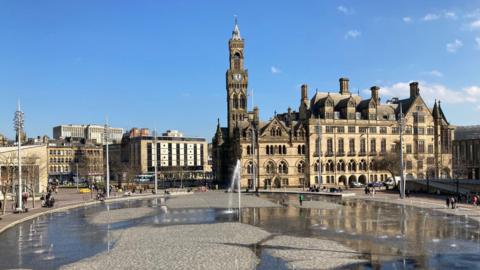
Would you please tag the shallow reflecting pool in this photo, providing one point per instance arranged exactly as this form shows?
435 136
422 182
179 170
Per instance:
388 236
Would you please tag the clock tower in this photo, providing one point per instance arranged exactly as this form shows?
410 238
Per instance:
237 82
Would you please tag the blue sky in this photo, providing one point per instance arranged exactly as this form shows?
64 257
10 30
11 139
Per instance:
161 64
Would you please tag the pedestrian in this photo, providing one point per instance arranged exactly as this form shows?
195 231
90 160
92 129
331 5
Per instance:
452 202
475 200
300 199
448 202
366 190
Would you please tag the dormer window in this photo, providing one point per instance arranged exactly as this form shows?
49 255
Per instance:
336 115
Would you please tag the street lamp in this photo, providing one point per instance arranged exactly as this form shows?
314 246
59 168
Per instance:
19 125
156 159
108 161
401 122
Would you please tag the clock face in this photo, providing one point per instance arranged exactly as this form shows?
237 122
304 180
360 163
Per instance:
237 77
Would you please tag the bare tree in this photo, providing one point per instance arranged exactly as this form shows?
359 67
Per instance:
390 163
124 171
31 174
7 177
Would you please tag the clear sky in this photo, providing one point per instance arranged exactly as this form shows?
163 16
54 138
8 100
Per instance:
161 64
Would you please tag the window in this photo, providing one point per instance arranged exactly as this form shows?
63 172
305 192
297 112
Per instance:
409 165
341 165
236 61
283 168
362 166
383 130
372 116
248 150
329 166
301 167
430 160
430 130
373 130
351 116
362 130
430 148
420 165
409 148
250 167
373 165
352 166
340 129
329 146
373 145
351 145
337 115
408 130
340 145
351 129
420 145
395 130
270 168
329 129
358 116
363 146
383 146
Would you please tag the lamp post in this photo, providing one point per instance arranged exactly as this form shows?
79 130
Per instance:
107 188
156 160
19 125
319 149
402 178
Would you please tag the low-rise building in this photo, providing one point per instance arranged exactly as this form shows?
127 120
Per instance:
466 152
67 159
34 167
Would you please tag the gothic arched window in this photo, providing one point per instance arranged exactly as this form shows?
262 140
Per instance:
329 167
236 61
352 166
373 166
301 167
242 102
270 167
250 167
341 165
362 165
283 168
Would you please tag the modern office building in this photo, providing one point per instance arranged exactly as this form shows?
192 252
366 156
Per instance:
173 153
94 133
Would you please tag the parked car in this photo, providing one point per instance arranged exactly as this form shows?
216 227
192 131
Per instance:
356 185
376 184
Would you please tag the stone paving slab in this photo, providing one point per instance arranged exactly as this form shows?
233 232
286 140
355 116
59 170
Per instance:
217 199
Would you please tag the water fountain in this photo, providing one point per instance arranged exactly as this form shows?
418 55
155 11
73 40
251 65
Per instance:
235 180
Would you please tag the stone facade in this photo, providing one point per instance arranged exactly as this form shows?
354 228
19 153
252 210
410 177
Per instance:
64 158
466 152
351 134
34 166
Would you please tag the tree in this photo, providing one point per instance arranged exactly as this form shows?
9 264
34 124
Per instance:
7 176
390 163
31 171
123 170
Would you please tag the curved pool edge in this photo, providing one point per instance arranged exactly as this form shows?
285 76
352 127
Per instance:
76 205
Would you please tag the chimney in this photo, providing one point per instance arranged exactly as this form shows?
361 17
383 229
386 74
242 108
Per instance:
375 95
414 90
344 86
304 92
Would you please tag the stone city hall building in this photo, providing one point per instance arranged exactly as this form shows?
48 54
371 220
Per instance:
354 134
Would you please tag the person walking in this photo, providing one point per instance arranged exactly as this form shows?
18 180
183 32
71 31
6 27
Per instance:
453 202
447 201
300 199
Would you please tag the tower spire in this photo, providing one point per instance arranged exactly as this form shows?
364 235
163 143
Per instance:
236 30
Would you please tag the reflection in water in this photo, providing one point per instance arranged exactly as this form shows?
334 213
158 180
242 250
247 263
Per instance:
388 236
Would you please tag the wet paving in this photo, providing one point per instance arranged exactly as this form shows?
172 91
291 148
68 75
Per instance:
388 236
